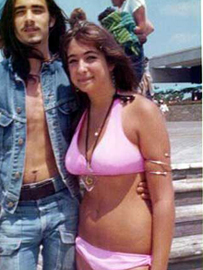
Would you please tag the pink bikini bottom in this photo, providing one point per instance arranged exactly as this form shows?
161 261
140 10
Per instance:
100 259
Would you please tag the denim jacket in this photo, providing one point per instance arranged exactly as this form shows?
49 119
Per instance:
59 105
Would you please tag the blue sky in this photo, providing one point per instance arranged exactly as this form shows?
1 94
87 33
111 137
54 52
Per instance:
177 22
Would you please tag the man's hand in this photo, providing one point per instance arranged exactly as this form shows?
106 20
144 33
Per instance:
143 191
142 38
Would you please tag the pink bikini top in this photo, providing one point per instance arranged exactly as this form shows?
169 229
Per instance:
113 155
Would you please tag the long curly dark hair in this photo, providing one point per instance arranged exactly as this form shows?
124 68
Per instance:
20 52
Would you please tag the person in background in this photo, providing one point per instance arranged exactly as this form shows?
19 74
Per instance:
77 16
163 107
137 8
121 25
144 27
120 140
146 87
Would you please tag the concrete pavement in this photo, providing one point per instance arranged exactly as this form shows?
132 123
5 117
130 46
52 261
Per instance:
186 142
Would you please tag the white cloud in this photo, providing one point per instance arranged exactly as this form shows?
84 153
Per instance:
185 39
182 8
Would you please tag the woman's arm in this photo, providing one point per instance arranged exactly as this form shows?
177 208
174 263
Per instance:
154 145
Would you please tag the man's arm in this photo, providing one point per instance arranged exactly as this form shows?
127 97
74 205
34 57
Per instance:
143 191
143 26
140 19
149 28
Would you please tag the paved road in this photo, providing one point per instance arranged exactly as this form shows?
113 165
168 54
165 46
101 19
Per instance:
186 141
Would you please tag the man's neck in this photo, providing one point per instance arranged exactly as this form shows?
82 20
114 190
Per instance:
35 66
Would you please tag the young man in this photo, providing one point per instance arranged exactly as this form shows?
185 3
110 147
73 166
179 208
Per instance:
38 198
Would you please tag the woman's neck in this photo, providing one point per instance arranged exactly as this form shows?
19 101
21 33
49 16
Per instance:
99 101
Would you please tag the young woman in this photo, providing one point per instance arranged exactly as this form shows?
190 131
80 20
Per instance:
120 140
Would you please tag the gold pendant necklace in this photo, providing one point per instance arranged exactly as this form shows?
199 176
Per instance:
90 179
97 134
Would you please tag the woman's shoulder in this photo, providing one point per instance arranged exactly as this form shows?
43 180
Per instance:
136 101
144 110
143 104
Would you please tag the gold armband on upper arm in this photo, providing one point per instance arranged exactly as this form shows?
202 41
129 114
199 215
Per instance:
163 165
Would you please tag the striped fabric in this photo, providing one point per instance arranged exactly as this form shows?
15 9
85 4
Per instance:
121 25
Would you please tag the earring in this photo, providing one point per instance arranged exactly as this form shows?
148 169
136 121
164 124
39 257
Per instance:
113 79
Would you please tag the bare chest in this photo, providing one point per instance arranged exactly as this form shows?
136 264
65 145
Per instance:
34 104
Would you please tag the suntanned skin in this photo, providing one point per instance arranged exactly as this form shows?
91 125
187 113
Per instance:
113 204
40 162
32 23
112 215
